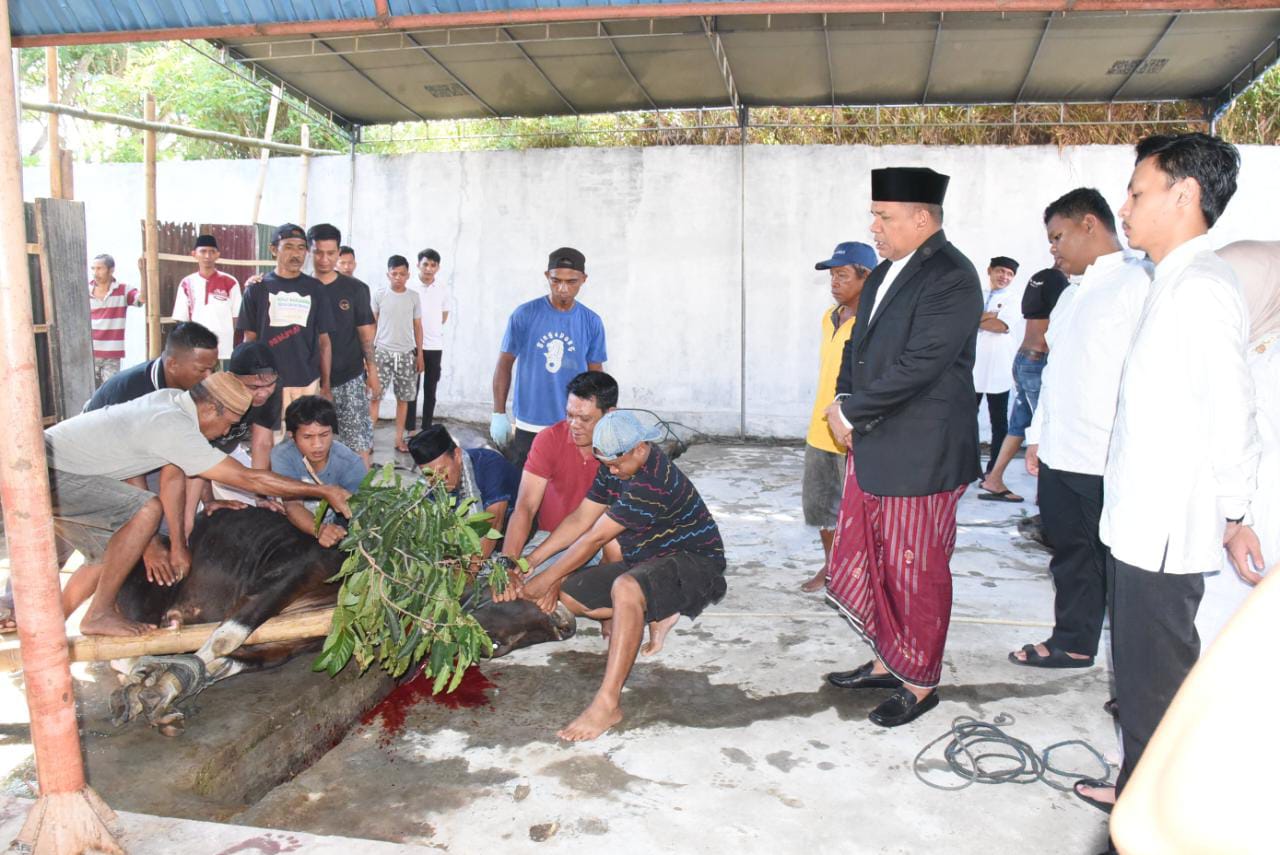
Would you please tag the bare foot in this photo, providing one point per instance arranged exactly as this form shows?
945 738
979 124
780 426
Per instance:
112 623
593 721
658 630
1021 655
816 582
1106 795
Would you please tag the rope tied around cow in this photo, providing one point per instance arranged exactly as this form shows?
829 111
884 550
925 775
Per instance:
967 756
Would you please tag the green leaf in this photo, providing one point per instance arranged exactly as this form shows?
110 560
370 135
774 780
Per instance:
321 510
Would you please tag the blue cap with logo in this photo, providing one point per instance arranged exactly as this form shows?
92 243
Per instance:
618 432
850 252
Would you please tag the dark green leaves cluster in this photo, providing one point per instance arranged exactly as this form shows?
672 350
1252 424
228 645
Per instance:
411 549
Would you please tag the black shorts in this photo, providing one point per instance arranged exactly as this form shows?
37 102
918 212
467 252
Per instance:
682 582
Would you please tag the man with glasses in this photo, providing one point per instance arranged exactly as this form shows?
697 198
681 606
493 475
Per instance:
672 557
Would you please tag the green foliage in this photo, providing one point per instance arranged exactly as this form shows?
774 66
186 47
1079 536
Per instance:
411 549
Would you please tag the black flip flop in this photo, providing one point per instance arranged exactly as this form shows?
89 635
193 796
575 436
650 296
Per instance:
1002 496
1056 659
1105 807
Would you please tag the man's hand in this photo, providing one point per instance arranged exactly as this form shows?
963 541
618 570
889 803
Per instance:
1242 546
337 498
331 535
223 504
155 558
253 280
272 505
542 593
1033 460
421 363
500 429
514 589
843 435
179 561
374 384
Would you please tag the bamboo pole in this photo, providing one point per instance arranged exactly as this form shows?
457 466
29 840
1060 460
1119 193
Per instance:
169 128
313 623
53 139
266 153
152 242
306 173
68 816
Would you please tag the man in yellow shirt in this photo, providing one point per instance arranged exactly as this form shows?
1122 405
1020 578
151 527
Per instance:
824 461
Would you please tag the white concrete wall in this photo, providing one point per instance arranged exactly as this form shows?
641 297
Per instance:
679 241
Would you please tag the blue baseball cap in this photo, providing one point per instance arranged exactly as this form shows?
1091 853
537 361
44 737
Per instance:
618 432
850 252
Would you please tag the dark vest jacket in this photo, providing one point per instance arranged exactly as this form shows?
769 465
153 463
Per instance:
907 376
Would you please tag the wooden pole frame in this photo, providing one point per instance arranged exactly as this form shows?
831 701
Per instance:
151 245
266 154
306 174
53 138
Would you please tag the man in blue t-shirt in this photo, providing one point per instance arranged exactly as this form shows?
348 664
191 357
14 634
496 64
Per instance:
471 473
313 456
548 341
672 557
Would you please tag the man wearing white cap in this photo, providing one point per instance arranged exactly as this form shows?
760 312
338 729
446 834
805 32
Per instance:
673 557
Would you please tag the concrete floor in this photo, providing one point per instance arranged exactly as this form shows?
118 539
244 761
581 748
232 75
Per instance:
731 738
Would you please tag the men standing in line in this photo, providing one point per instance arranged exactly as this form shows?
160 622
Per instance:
346 260
904 409
549 340
398 344
287 311
998 336
353 371
1181 466
108 302
434 297
823 484
210 297
1067 441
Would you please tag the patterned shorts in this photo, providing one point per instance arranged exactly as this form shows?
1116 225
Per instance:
400 371
355 429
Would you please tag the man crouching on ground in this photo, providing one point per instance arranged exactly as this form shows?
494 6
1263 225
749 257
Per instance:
673 558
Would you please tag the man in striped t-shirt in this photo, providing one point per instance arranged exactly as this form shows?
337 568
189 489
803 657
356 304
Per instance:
108 300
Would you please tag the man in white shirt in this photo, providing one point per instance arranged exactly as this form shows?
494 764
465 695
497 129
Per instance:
435 311
1089 334
210 297
1181 466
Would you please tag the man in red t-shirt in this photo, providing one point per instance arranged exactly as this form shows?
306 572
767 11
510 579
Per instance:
560 466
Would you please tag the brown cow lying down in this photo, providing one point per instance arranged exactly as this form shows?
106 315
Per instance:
248 566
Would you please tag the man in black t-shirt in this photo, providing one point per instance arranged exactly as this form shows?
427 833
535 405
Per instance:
287 311
353 374
190 355
1038 299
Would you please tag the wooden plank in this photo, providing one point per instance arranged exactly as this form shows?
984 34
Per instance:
61 225
40 315
186 259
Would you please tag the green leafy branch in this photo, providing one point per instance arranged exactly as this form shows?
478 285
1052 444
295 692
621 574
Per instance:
413 555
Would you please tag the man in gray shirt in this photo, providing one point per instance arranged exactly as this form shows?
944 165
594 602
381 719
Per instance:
398 342
111 522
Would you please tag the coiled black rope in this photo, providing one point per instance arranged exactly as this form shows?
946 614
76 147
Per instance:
981 752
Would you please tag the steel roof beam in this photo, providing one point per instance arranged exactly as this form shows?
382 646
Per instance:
831 75
455 78
933 57
1150 53
722 61
373 82
515 44
1035 56
626 67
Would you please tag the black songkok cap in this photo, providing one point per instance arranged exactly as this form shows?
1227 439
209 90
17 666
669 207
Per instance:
252 359
917 184
429 444
206 240
569 258
286 231
1004 261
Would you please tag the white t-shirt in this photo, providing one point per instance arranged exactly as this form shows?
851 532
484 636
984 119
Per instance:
435 302
212 302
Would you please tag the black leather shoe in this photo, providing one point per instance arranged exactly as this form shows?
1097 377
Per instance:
902 707
862 678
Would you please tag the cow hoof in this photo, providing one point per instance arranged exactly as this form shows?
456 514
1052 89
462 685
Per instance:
154 688
171 724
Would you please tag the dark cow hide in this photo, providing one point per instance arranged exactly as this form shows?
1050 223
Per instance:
248 566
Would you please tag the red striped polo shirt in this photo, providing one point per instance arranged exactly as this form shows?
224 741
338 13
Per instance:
106 316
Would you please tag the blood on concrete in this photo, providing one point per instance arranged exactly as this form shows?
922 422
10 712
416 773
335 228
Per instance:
472 692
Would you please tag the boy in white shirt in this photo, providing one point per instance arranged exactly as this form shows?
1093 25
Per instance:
210 297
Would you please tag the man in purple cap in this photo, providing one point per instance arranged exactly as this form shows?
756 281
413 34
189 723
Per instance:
904 409
823 484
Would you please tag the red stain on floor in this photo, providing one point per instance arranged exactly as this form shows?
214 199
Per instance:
471 693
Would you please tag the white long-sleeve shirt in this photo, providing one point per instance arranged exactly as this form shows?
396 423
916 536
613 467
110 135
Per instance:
993 355
1184 450
1088 336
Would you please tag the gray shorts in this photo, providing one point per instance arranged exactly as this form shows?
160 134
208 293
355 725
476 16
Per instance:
822 488
398 371
89 509
351 400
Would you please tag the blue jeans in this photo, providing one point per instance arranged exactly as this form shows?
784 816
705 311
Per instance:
1028 365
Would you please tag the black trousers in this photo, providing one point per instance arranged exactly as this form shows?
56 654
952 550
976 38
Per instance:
518 448
998 409
1070 508
430 379
1154 645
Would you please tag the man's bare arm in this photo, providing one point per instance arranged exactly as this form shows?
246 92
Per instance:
499 511
502 381
574 526
367 333
326 362
250 335
528 500
261 441
595 366
267 483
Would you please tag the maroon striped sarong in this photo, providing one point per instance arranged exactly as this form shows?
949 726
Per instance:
890 575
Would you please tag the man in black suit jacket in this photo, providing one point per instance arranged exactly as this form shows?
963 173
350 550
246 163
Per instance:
904 408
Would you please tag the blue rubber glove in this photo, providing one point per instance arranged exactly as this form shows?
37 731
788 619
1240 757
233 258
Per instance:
500 429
